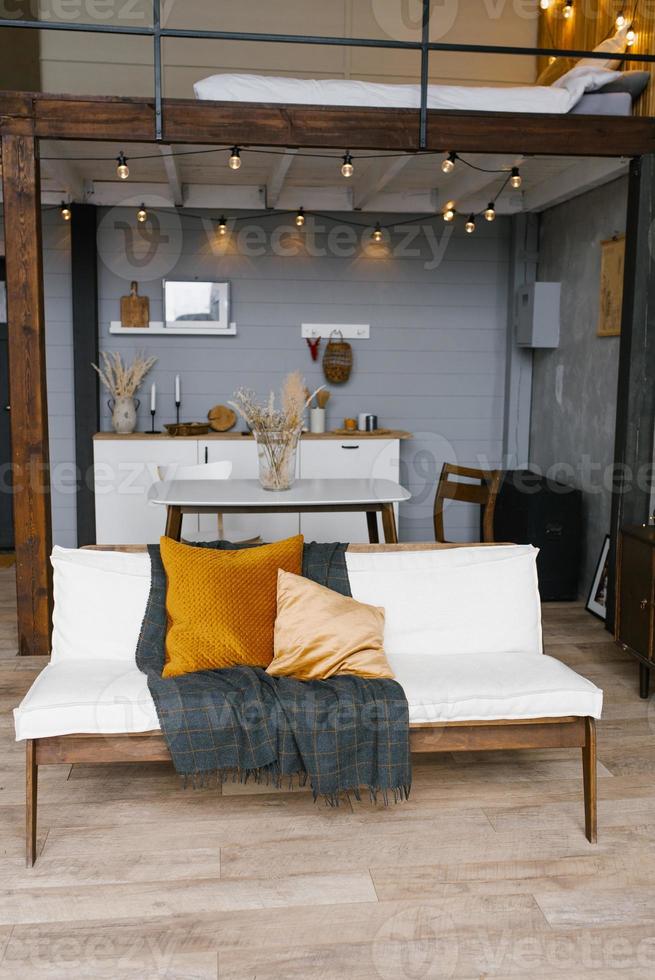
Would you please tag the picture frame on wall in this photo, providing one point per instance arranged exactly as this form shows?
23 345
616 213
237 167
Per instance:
190 304
597 599
612 260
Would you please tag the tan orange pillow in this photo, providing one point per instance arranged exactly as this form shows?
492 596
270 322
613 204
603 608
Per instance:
221 605
319 633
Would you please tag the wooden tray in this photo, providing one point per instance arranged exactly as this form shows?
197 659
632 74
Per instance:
187 428
359 432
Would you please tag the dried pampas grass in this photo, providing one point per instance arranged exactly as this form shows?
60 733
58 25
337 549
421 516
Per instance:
120 379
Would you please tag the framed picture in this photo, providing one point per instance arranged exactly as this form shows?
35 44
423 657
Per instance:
192 304
612 258
597 600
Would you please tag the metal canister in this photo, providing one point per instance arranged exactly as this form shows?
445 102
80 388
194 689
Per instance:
371 423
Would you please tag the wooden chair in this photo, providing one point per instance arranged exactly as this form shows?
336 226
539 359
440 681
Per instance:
484 493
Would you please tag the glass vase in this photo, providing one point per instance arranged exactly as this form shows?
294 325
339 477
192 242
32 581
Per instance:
276 454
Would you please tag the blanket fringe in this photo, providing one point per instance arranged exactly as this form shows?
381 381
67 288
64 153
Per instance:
271 776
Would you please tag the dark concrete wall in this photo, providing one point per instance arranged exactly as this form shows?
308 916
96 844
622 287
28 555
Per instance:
574 387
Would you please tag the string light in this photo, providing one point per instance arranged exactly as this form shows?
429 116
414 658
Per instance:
552 59
448 165
544 4
515 180
235 158
470 223
142 214
347 167
378 234
122 170
300 217
630 37
66 212
568 9
490 212
620 21
222 225
449 213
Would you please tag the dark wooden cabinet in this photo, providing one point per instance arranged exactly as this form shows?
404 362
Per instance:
635 598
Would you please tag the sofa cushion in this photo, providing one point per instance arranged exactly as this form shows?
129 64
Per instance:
504 686
100 600
86 696
477 600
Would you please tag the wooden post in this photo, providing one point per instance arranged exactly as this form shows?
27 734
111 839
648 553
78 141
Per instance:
27 389
635 407
84 280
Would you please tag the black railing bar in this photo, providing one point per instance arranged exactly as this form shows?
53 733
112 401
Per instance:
157 67
425 74
346 42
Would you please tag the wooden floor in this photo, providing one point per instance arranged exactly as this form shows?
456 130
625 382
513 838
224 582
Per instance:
484 873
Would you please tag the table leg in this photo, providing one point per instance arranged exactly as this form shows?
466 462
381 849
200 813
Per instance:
389 524
174 523
372 522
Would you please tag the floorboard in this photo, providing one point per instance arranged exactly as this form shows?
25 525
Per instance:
485 872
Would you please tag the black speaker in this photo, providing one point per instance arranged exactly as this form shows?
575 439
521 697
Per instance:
531 509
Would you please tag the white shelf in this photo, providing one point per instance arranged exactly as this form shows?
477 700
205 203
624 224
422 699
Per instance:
170 330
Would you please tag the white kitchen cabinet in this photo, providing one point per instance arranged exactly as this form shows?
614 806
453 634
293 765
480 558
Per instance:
125 468
376 459
124 471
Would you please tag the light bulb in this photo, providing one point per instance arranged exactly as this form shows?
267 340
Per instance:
470 224
66 212
630 38
552 59
235 158
300 217
515 180
490 212
448 165
568 9
222 225
347 168
620 20
449 213
122 170
544 4
142 214
378 234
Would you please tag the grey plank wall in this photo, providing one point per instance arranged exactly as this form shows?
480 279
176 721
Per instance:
434 364
574 387
59 371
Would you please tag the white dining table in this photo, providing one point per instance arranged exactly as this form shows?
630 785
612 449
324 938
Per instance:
304 497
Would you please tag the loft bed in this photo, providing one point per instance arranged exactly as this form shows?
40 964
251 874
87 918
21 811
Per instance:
27 117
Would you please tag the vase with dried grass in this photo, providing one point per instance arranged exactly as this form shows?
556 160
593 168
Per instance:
122 381
276 430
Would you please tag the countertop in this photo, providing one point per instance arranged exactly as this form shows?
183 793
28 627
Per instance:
381 434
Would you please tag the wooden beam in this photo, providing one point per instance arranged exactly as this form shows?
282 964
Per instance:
27 389
368 188
275 183
84 282
635 408
66 176
172 175
223 123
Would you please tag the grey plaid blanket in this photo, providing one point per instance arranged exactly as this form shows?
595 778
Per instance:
340 734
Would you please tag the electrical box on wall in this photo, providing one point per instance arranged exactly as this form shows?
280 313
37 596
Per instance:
537 314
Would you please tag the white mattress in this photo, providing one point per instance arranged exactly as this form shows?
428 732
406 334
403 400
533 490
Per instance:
558 98
110 697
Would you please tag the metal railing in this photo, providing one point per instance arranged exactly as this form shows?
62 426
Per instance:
425 47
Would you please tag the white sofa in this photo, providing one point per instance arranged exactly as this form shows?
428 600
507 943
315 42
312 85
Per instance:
462 634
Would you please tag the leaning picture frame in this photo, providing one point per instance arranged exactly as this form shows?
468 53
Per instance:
597 598
195 306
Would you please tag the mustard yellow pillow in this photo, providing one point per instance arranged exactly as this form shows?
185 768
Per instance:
319 633
221 604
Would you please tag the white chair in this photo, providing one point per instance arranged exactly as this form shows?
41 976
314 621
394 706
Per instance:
221 470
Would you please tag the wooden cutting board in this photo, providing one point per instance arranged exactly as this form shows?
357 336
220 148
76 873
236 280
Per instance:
135 309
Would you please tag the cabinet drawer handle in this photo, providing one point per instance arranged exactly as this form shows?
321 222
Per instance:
350 447
206 454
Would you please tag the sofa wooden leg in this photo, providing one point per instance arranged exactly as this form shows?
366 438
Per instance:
590 781
31 784
644 680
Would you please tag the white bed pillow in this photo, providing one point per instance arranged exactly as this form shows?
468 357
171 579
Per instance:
100 600
612 46
462 601
580 80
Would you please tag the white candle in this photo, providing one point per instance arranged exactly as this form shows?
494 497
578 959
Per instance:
153 398
177 388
